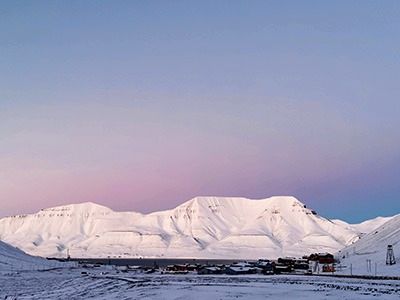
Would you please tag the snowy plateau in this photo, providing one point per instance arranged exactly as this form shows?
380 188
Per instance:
203 227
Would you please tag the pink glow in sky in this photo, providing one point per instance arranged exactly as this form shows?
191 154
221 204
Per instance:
131 157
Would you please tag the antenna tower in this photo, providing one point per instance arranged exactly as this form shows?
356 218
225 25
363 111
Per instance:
390 259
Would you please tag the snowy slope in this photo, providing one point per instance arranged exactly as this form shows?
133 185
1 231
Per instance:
13 259
373 247
204 227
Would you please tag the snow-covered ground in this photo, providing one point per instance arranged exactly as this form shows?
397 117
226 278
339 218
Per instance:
70 284
26 277
204 227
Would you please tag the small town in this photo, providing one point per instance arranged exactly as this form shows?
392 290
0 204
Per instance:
314 264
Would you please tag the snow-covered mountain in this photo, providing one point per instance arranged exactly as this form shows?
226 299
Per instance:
204 227
373 247
366 226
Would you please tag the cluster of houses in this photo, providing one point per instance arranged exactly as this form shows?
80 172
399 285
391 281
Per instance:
315 263
239 268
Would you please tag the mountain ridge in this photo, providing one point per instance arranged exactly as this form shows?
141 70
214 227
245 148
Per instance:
203 227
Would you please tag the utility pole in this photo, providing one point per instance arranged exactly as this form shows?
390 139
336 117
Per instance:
369 266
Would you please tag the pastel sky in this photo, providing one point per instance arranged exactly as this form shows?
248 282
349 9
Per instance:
142 105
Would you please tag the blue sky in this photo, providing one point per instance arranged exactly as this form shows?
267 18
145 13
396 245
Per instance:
143 105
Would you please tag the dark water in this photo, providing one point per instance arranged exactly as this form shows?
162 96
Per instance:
150 262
